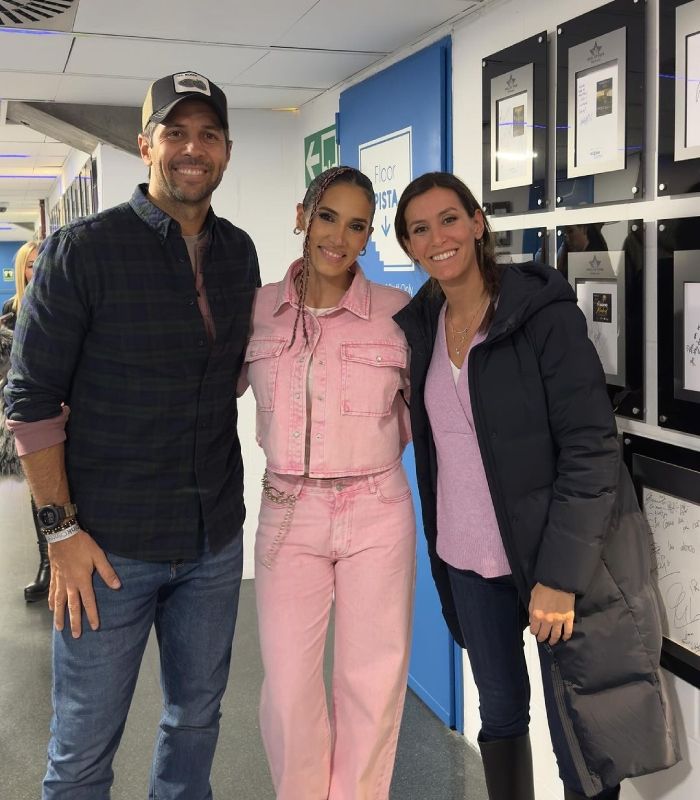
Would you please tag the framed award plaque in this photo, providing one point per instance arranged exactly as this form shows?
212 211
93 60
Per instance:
514 83
600 105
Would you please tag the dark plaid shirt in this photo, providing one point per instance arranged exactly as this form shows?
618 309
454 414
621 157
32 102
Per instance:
110 325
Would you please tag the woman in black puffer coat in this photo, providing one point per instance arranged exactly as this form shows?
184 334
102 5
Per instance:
566 515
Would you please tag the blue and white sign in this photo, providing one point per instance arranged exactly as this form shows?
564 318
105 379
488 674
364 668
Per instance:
387 161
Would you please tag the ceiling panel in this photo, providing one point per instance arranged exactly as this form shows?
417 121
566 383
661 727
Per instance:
20 133
38 52
29 86
32 149
134 58
319 70
378 26
269 97
233 21
101 90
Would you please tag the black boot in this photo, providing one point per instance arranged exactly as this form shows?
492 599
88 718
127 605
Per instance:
508 768
608 794
40 588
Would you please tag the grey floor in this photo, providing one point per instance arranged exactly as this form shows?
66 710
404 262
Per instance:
433 763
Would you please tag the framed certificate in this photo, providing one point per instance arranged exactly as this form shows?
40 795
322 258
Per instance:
596 105
519 246
514 84
604 263
600 105
512 129
679 324
667 482
679 97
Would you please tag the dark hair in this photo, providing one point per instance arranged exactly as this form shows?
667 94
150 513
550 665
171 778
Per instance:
310 204
490 270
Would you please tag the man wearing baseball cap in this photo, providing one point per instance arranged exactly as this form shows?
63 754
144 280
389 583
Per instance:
121 397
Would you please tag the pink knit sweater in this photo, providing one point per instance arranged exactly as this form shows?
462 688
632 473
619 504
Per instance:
468 535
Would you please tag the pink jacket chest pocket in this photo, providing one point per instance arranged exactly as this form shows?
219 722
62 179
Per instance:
371 376
262 359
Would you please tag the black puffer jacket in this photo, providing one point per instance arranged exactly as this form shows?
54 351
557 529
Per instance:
566 509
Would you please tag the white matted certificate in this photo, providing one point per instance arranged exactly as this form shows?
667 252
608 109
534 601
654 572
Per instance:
598 301
512 129
687 116
599 281
596 105
691 336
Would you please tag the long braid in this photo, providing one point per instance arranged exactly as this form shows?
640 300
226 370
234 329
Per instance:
330 176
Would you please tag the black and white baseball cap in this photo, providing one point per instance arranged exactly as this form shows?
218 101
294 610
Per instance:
165 93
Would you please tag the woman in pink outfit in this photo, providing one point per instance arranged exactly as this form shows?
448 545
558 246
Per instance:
329 370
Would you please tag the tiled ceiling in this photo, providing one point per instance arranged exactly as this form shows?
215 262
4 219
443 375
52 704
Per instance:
265 54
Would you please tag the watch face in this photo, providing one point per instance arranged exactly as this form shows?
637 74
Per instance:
48 517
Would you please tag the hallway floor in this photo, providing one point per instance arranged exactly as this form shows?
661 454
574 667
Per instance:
433 763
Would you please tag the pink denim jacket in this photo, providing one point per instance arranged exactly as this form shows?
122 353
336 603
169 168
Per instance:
359 421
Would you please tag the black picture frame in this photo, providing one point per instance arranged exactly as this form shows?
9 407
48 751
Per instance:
626 183
675 175
532 197
519 245
616 251
678 265
671 476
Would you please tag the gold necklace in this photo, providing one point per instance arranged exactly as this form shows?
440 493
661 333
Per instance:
459 338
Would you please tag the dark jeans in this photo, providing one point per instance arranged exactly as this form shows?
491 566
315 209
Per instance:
492 620
193 606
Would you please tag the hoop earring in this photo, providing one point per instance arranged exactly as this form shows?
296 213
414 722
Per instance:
363 252
297 230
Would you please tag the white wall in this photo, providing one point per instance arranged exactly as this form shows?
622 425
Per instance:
495 27
258 193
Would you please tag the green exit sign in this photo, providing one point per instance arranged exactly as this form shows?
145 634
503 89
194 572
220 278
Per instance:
320 153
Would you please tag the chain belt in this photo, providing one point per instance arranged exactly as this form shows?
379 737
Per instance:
280 498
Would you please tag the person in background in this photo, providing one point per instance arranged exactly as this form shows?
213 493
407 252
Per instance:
530 515
128 346
24 269
24 259
329 369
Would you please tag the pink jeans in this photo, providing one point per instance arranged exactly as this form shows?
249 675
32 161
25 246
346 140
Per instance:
351 540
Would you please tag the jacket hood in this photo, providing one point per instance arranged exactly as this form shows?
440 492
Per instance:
525 290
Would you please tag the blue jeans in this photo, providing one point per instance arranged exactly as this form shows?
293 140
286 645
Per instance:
492 618
193 605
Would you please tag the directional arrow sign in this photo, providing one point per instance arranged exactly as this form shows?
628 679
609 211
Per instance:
386 227
320 152
312 160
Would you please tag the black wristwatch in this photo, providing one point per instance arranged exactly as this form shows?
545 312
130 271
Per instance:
50 517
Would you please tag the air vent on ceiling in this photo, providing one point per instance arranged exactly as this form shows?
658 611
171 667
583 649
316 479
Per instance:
53 15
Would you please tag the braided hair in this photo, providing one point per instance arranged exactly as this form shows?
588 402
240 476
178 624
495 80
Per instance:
310 204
